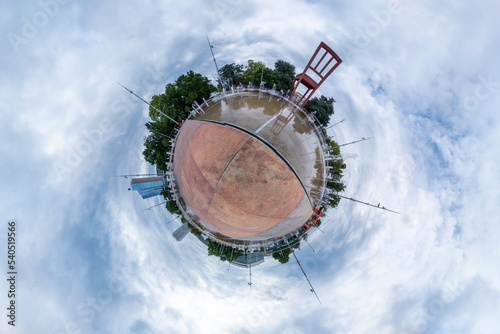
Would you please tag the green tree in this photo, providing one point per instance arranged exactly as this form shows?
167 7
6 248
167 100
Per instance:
179 96
337 186
334 201
194 230
323 107
269 76
231 73
286 72
172 207
156 143
337 166
334 147
251 69
224 253
155 151
283 255
175 102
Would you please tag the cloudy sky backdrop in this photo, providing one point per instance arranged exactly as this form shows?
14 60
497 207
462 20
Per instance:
422 77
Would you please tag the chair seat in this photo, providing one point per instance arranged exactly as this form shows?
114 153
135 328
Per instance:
307 81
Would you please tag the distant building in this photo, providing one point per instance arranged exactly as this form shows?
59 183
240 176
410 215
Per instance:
148 186
181 232
249 260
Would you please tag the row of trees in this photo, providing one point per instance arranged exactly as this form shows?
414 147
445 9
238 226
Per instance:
178 99
337 167
224 253
281 76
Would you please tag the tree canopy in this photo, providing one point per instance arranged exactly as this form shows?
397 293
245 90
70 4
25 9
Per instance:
283 255
231 73
171 207
253 71
224 253
337 166
175 102
282 75
286 73
180 95
269 76
323 107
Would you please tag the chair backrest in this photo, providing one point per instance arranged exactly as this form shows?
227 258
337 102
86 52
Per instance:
315 73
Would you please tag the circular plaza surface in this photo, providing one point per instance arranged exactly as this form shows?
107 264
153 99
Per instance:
240 183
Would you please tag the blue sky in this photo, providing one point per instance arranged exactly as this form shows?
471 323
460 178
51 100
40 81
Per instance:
421 77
